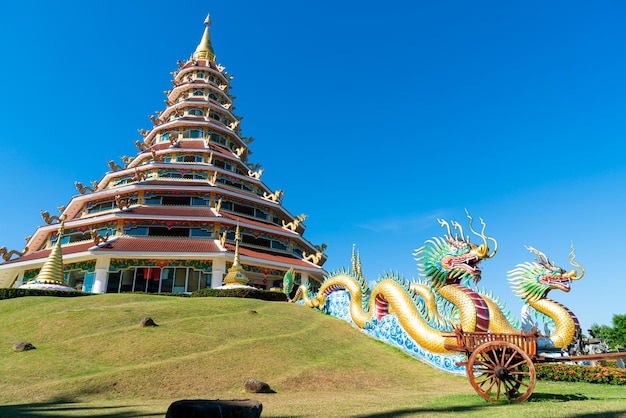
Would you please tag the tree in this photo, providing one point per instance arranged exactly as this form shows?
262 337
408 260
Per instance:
619 330
613 336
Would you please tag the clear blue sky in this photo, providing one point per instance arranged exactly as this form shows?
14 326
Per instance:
376 118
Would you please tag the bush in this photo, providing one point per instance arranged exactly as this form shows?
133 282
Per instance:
243 292
8 293
575 373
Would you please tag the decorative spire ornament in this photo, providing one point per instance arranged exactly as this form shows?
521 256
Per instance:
236 275
204 50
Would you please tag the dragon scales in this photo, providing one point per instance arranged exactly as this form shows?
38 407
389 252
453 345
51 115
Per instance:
417 316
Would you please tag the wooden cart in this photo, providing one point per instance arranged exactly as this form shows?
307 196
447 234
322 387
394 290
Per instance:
504 364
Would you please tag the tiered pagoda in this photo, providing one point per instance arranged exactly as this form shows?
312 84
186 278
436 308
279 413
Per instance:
188 212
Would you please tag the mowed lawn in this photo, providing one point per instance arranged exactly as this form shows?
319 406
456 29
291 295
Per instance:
93 359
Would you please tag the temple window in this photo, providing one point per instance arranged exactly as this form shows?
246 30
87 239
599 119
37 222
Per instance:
155 279
200 74
161 231
215 116
195 111
218 139
193 133
100 206
176 200
198 92
213 96
192 159
223 164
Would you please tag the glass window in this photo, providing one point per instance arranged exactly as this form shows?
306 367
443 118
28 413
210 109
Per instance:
153 276
194 111
180 278
140 280
167 280
198 92
113 282
127 280
193 133
193 281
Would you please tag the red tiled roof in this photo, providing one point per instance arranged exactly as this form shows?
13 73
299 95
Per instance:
287 259
151 245
65 250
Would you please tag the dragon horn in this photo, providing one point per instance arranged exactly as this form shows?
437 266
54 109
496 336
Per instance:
483 236
458 226
573 273
446 224
541 257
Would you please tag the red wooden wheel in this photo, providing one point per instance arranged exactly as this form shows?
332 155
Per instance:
499 368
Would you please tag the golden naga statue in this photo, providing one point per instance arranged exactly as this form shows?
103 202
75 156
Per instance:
49 219
223 239
239 151
218 205
293 225
317 257
139 175
114 166
255 174
141 146
143 132
98 238
156 158
126 160
84 189
6 255
123 203
274 197
155 119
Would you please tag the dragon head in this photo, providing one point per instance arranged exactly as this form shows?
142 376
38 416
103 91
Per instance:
453 258
533 281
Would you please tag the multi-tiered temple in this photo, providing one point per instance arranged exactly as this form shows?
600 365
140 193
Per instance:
188 212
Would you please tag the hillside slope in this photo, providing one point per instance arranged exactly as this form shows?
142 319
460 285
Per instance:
93 348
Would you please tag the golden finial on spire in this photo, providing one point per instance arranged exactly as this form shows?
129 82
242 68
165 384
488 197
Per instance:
204 50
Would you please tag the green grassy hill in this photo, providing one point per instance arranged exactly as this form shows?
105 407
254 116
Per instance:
93 359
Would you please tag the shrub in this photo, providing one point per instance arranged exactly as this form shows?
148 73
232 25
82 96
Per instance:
243 292
575 373
8 293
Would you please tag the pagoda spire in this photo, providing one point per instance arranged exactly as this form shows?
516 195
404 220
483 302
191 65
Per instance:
52 270
236 274
204 50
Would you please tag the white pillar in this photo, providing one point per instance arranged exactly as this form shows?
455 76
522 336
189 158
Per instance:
304 276
217 273
20 279
102 271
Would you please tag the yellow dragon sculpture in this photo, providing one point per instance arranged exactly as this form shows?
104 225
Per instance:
418 316
445 263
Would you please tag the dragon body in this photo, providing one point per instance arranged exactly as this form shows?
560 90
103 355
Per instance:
425 312
419 316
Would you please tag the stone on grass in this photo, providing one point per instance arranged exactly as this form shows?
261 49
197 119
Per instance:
23 346
256 386
202 408
147 322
